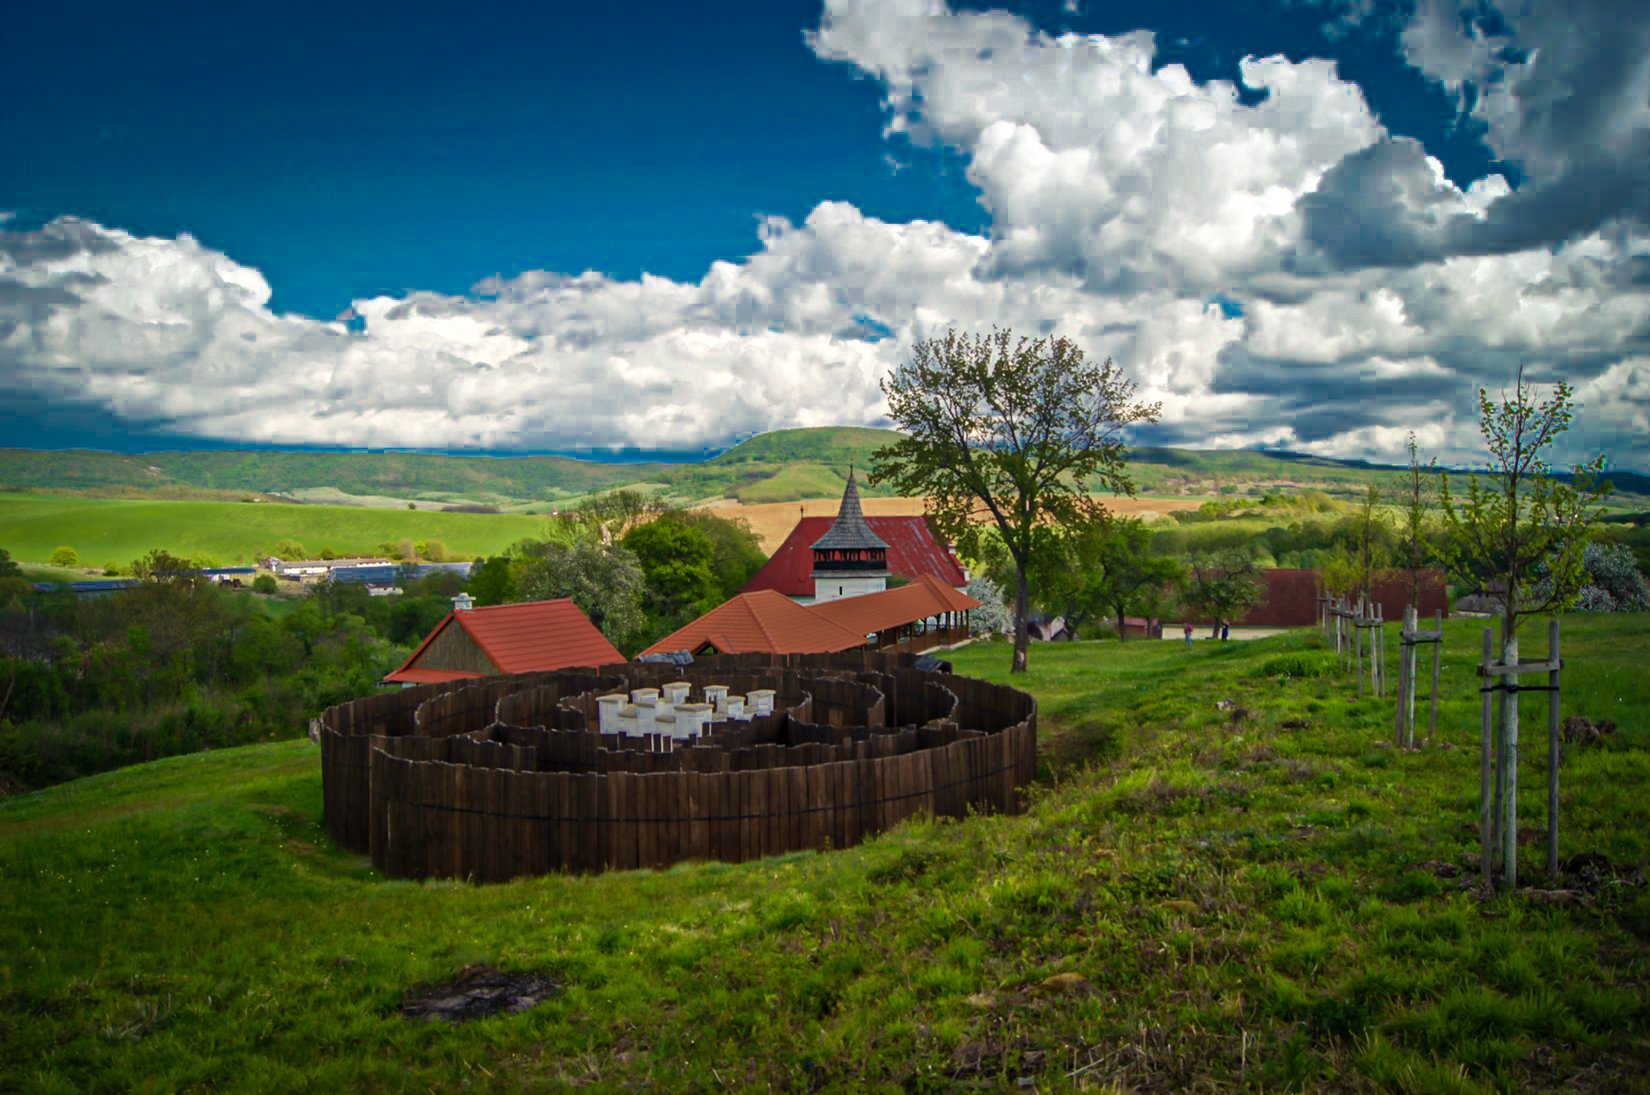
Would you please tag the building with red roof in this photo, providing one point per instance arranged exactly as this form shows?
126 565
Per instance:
761 622
912 551
920 616
519 638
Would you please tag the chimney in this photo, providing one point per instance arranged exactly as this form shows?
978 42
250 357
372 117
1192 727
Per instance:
463 602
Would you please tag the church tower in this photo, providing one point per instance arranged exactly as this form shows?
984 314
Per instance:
849 559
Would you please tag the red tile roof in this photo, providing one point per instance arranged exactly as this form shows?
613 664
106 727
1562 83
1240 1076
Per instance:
760 622
519 638
913 551
873 612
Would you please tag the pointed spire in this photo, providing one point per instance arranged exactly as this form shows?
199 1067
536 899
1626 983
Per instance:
850 530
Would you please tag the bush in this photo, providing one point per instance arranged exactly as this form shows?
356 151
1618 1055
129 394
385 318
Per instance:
265 583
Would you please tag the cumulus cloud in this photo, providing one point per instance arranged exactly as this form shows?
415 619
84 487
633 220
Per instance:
1362 293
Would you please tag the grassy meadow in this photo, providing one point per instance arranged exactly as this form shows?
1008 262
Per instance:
1266 898
118 530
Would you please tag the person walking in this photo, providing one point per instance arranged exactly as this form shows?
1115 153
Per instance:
1188 632
1224 631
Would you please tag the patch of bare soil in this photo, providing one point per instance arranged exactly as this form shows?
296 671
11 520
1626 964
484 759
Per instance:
478 992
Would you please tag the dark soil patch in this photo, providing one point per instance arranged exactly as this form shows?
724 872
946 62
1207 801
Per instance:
1582 731
478 992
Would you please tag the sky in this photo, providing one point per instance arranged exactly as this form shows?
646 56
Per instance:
1314 225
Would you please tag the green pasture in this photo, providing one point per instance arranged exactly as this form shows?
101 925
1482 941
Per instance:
119 530
1262 895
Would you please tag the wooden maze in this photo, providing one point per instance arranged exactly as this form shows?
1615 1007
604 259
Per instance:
496 778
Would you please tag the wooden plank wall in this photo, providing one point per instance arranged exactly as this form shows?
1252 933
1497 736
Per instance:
497 800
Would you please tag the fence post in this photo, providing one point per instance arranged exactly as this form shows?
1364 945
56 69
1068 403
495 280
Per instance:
1437 657
1552 752
1398 734
1358 648
1509 754
1485 805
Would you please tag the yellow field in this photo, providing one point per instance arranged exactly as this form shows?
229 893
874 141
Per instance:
773 521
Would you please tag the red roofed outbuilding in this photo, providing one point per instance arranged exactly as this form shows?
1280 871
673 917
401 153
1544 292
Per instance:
519 638
913 551
761 622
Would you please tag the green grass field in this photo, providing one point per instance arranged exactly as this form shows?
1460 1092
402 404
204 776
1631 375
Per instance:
1193 900
119 530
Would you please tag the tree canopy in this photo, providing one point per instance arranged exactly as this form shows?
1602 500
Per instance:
1015 430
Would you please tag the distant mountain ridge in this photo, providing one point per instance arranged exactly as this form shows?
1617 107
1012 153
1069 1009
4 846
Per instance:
781 466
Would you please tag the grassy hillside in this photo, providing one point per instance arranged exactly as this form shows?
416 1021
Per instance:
782 466
119 530
1194 900
399 475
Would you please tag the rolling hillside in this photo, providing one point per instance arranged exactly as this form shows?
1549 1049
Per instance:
782 466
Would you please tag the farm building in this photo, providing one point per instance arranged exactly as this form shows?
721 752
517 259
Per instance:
760 622
916 617
317 568
849 554
1292 598
520 638
920 616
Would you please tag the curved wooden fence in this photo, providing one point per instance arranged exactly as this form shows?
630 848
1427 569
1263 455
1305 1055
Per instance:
506 776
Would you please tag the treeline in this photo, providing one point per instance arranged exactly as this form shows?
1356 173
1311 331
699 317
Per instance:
638 570
1206 563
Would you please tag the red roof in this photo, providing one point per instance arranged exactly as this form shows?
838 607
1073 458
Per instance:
761 622
913 551
872 612
520 638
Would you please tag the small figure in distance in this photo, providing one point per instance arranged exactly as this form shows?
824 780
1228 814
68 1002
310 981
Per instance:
1224 631
1188 631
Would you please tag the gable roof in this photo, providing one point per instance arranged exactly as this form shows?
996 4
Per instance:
891 608
519 638
913 550
849 530
761 622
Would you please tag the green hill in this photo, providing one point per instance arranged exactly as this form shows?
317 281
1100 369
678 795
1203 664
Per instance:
781 466
1254 894
119 530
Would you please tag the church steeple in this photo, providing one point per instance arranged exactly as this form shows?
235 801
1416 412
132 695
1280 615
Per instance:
849 559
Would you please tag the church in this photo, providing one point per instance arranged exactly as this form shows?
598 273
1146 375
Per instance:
850 555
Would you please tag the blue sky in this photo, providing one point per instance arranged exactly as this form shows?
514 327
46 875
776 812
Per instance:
666 226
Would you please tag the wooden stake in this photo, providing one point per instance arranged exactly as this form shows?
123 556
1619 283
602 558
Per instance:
1509 753
1437 657
1552 752
1485 806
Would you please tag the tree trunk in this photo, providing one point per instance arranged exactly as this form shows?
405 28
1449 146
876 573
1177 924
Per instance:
1509 759
1122 628
1022 608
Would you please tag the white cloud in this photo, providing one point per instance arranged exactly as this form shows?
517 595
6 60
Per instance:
1123 201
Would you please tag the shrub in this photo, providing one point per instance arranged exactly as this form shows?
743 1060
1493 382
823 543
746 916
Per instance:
265 583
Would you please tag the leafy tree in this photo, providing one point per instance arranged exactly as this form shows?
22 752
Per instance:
993 617
1417 499
612 515
289 550
1107 567
492 583
160 567
1022 429
265 583
1221 587
736 550
1517 522
1614 581
1525 534
65 557
12 582
676 562
605 582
